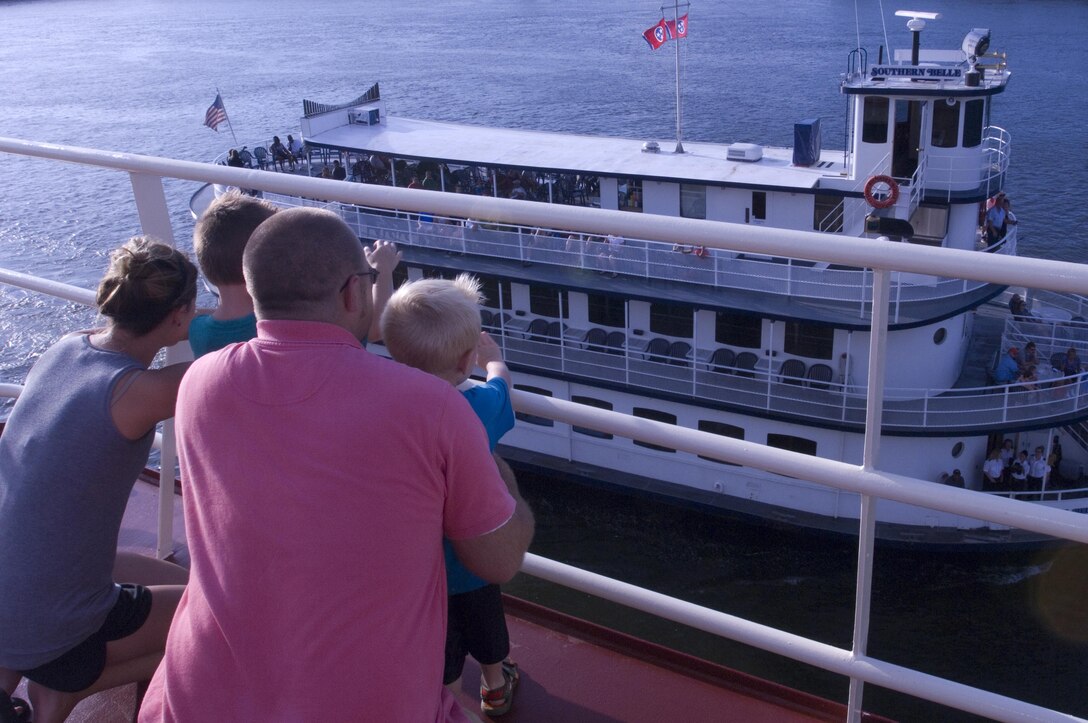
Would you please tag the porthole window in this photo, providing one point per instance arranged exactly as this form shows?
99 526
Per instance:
940 335
957 449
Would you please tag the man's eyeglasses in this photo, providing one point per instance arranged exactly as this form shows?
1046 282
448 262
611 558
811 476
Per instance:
372 273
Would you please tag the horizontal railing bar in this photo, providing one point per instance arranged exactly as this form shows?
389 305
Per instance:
795 647
813 245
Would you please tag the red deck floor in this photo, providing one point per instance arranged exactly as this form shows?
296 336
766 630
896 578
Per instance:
571 670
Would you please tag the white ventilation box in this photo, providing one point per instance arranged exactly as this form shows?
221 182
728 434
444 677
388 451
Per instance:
365 116
748 152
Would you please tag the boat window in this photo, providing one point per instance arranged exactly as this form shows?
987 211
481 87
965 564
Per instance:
532 418
496 293
759 205
721 429
946 124
591 402
630 191
400 275
692 201
672 320
792 444
930 224
657 416
432 273
809 340
548 301
974 112
940 335
875 125
827 214
957 449
738 330
607 311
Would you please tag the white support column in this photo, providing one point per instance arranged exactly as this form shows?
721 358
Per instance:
874 409
155 222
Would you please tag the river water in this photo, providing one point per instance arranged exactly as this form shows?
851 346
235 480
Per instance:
137 76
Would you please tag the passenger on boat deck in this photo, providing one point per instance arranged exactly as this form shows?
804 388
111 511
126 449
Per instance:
956 479
339 173
1054 459
1018 471
992 471
294 147
219 239
1010 218
1008 453
434 325
1028 379
414 183
75 442
1008 368
995 220
280 153
319 479
1018 308
1031 356
233 159
1037 469
429 182
1072 363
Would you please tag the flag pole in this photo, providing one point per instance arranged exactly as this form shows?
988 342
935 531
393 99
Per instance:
227 115
676 42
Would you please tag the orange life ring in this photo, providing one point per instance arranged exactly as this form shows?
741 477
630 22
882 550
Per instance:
893 191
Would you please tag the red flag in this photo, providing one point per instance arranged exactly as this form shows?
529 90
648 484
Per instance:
678 28
657 35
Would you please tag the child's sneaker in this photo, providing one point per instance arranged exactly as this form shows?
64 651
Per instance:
498 701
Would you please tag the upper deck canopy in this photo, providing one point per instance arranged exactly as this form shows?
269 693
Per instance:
463 144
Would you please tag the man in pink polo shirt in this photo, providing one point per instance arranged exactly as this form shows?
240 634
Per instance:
320 480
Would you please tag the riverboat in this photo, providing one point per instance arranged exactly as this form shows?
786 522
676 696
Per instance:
735 340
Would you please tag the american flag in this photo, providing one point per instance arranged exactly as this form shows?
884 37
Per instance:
216 114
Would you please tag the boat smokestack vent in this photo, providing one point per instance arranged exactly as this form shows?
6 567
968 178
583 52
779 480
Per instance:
650 147
747 152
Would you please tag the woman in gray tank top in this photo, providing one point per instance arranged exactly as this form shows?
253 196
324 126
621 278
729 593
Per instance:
75 442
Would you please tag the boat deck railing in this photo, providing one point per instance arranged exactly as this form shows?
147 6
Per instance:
867 480
638 257
566 352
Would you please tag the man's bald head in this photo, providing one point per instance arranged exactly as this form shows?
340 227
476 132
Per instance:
296 262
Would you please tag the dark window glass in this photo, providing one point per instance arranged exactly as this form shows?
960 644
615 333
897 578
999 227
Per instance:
607 311
738 330
721 429
531 418
432 273
591 402
759 205
973 113
875 124
791 443
548 301
672 320
630 192
808 340
400 275
827 214
692 201
657 416
946 124
496 293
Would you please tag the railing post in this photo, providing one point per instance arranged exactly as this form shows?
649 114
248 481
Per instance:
874 411
155 222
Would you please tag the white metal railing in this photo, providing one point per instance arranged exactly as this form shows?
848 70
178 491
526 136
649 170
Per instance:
636 256
866 479
570 353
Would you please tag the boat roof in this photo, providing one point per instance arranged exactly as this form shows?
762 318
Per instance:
465 144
